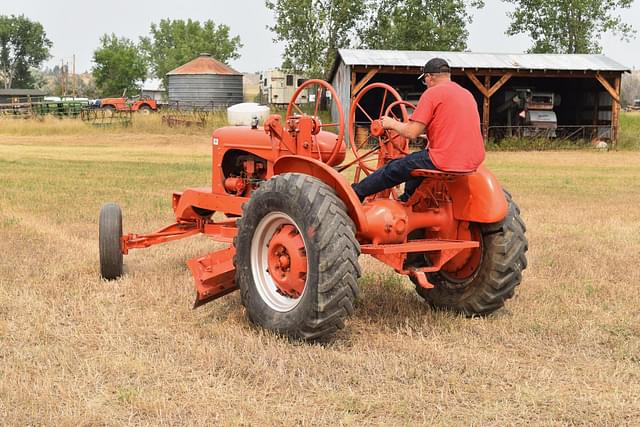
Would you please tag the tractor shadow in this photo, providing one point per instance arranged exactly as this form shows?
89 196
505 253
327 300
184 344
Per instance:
388 300
389 303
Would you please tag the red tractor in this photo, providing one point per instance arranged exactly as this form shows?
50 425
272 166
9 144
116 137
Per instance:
145 106
295 227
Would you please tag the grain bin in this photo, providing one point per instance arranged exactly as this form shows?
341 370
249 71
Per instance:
204 83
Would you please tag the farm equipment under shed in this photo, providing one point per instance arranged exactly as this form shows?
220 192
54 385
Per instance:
530 113
296 228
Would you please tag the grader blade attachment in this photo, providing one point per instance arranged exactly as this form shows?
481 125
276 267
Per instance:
214 275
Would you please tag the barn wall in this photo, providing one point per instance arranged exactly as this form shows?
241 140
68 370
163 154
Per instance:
342 84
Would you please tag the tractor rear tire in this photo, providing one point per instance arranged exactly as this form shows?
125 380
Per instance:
110 234
503 259
315 219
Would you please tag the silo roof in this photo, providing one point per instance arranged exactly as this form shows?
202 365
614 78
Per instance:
204 64
474 60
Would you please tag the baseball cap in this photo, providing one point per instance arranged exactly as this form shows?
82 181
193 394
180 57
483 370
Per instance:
435 66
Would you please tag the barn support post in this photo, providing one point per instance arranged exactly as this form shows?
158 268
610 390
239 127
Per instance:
487 92
614 92
496 87
486 108
355 87
477 83
615 117
354 76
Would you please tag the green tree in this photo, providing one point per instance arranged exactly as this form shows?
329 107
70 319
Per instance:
119 66
568 26
418 24
32 78
23 45
174 43
24 77
313 30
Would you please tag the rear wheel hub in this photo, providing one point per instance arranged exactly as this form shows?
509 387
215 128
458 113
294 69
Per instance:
464 265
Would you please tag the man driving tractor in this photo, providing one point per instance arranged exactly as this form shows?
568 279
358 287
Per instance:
296 230
449 114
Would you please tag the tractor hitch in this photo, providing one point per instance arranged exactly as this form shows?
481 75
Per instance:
172 232
441 251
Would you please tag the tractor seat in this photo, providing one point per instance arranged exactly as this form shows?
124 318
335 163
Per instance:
436 174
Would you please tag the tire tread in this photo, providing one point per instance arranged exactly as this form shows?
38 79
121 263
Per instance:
507 246
338 269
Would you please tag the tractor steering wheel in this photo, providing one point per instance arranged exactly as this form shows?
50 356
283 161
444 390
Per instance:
318 88
401 145
368 121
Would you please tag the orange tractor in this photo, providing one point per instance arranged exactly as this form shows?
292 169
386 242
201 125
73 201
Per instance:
295 227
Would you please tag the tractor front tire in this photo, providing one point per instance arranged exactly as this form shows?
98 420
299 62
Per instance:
109 236
297 258
502 261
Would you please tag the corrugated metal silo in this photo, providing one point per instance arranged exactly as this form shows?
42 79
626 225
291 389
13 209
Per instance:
204 83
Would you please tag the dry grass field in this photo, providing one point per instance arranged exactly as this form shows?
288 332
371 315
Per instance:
75 350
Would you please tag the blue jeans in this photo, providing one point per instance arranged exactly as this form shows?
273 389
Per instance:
396 172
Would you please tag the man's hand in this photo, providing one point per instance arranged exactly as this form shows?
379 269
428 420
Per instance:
389 123
410 130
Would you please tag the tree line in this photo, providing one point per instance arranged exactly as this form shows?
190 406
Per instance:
120 63
313 30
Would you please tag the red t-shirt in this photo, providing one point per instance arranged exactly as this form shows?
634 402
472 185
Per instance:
450 114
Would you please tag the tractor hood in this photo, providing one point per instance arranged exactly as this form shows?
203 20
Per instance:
257 141
241 137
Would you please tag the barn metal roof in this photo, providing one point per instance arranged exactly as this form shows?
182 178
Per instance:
473 60
204 64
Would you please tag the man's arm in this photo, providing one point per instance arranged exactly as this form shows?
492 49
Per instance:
410 129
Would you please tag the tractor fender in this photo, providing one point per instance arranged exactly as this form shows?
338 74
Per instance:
328 175
478 197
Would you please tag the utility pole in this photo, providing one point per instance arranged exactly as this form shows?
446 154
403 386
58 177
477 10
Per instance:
63 87
74 77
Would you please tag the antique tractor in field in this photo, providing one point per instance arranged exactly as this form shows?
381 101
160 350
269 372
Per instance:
295 227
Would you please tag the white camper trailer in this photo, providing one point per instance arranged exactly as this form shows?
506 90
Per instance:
277 87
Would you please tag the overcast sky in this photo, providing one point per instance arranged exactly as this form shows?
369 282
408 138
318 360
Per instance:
75 27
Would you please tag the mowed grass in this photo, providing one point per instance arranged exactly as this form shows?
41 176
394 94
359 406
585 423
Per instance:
75 350
139 124
629 131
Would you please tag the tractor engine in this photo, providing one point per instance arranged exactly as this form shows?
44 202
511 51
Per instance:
243 173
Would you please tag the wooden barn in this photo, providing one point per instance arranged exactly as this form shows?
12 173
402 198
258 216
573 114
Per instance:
519 95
